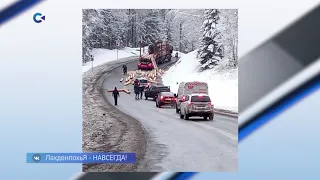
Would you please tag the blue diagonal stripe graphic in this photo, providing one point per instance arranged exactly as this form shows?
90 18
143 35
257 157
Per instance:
288 102
16 8
306 25
183 176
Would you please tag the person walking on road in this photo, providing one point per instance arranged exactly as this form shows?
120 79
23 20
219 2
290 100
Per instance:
136 92
137 88
115 94
124 68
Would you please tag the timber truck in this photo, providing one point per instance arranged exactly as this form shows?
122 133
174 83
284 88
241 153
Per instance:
161 51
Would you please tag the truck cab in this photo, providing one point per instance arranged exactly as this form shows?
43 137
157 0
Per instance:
145 65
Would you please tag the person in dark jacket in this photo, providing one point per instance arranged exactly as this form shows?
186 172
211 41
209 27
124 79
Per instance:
141 91
115 94
124 68
136 88
136 91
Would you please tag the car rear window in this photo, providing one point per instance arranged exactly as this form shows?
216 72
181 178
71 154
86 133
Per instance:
200 99
167 94
143 81
163 89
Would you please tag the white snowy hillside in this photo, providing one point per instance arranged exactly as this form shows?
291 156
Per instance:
222 81
102 56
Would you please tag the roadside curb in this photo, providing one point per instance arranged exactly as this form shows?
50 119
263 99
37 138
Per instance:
226 114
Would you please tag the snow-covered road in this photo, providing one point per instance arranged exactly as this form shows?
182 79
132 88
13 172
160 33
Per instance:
105 128
178 145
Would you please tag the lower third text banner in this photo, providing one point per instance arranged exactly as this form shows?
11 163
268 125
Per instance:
85 158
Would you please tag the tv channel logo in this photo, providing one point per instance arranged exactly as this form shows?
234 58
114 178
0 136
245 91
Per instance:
38 17
36 158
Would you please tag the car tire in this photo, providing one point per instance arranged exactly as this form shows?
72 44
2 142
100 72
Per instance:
205 117
211 117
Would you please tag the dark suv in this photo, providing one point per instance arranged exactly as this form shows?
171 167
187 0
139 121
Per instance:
155 90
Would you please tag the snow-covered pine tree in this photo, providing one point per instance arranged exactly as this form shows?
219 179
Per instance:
168 31
87 30
140 26
117 27
228 26
162 24
153 25
101 28
191 21
210 52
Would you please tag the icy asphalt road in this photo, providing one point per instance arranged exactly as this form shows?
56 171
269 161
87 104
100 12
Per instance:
174 144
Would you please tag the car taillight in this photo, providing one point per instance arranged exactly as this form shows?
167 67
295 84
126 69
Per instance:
183 98
161 97
139 64
190 104
175 99
210 104
150 64
148 84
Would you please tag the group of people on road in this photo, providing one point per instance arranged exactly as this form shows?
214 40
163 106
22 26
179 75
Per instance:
138 90
115 92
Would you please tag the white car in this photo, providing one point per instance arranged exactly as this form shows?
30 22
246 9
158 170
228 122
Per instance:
196 105
143 82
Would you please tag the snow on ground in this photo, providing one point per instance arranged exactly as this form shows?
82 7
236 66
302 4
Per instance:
102 56
223 83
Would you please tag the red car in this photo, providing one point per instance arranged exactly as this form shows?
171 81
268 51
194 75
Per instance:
145 65
165 98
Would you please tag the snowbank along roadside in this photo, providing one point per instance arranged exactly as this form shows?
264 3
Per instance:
105 128
102 56
223 83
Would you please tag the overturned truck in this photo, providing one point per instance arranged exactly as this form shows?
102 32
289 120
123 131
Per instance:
160 51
